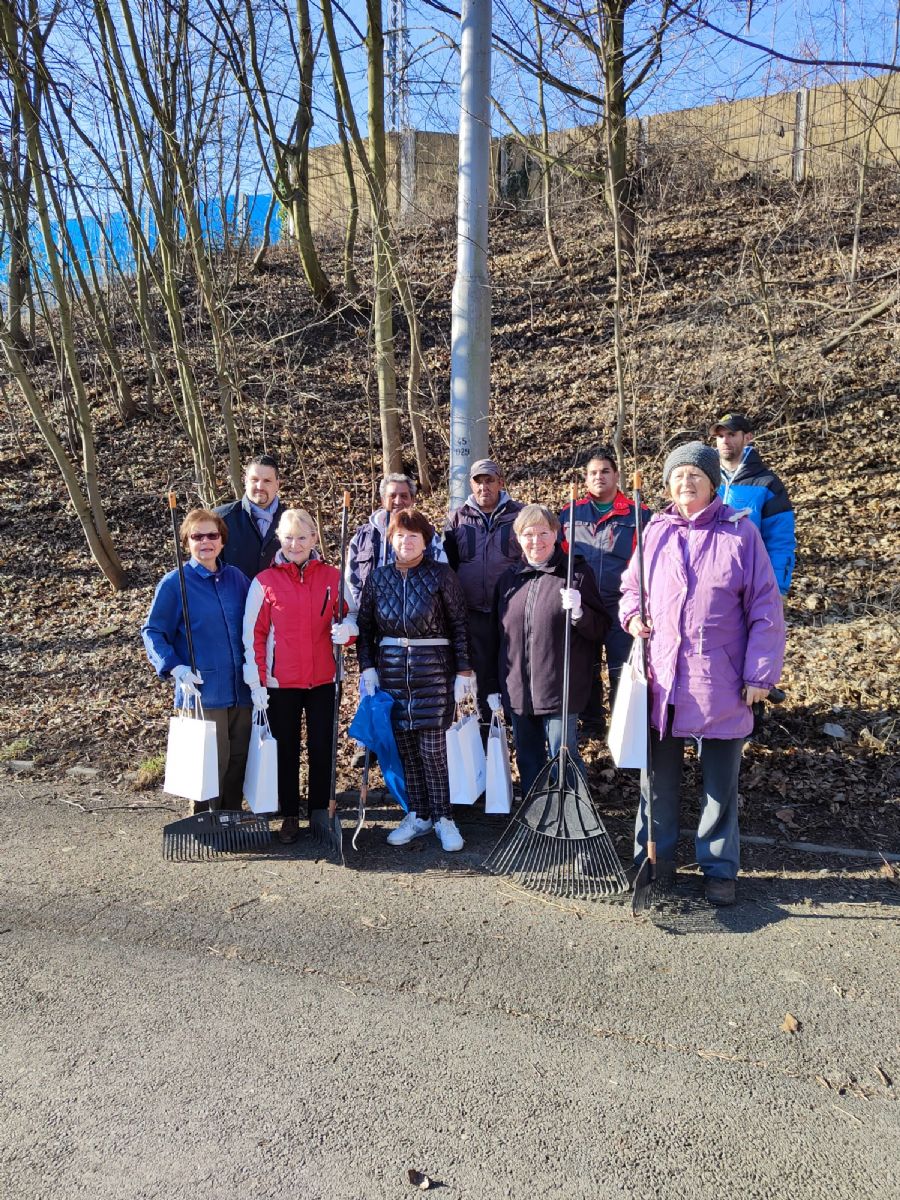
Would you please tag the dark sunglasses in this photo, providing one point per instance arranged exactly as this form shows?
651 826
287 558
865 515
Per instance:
204 537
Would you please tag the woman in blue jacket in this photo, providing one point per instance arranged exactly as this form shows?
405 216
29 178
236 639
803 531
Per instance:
216 596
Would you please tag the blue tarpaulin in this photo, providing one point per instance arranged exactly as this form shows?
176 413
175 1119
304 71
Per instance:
371 725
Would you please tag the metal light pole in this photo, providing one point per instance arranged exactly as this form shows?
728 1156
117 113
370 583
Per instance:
470 331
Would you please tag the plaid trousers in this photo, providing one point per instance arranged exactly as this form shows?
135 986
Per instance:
424 754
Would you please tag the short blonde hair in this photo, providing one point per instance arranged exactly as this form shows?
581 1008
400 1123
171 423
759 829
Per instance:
533 514
292 517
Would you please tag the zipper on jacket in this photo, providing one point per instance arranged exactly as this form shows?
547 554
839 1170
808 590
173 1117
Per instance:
406 653
530 601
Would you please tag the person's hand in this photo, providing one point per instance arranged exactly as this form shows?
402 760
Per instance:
463 685
260 698
189 680
368 682
637 628
752 695
571 601
494 701
342 632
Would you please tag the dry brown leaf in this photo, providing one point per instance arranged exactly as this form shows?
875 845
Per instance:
889 871
790 1024
787 816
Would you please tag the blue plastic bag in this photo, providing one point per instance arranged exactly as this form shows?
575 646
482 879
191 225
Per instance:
372 726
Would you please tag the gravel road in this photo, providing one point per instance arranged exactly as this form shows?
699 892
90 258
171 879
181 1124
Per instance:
273 1026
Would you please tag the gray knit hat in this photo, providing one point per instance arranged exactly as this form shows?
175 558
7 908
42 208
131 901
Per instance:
695 454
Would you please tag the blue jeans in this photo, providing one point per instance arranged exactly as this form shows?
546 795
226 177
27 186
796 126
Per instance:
538 739
717 842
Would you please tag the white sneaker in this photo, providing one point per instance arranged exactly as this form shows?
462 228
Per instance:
448 835
409 828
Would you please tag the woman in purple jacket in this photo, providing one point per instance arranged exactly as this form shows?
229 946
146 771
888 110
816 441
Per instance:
715 637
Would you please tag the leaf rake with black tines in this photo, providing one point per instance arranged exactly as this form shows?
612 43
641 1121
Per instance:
557 843
210 835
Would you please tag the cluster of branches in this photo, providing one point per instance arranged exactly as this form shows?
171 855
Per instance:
158 111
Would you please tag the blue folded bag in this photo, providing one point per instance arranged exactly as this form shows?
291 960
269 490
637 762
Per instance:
372 726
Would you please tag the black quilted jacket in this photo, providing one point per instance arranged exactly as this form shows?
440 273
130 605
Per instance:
425 602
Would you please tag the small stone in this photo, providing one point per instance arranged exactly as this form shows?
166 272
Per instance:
20 766
83 772
835 731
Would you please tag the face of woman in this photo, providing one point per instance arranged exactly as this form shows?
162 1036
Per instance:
691 489
407 546
537 541
206 544
297 542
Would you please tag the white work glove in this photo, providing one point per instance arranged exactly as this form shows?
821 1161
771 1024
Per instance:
260 698
368 682
189 680
342 632
571 599
463 685
495 703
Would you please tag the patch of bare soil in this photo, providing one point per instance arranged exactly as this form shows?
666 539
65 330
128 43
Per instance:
730 303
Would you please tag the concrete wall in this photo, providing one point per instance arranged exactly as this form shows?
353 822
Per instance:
792 134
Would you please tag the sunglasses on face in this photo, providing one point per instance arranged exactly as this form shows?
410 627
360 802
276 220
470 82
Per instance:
204 537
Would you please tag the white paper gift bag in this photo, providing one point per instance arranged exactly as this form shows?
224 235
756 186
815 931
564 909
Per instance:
627 736
261 775
466 763
192 761
498 792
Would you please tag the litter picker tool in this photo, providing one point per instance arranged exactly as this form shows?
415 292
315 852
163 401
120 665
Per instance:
325 824
556 842
647 883
215 833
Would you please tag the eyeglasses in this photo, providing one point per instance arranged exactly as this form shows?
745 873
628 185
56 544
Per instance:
204 537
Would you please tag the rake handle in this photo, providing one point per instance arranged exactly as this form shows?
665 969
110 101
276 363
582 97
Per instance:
339 659
173 504
639 546
567 640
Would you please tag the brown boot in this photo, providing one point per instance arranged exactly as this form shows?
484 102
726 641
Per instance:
289 832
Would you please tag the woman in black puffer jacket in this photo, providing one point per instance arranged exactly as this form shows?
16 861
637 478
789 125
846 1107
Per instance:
414 644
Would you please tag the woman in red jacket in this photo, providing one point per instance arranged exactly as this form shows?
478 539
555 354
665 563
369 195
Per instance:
291 625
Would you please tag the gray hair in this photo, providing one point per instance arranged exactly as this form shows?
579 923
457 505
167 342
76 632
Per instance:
396 477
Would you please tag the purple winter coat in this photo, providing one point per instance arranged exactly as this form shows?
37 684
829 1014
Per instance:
718 623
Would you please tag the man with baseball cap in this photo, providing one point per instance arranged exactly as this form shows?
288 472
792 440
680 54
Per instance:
748 485
480 545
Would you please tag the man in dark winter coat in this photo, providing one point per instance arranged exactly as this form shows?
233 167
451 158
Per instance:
605 536
370 548
481 545
253 519
749 486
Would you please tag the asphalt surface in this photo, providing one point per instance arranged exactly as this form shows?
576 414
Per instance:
275 1026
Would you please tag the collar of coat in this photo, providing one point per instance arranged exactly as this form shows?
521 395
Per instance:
556 559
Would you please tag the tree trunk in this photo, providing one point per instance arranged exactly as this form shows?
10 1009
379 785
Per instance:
383 326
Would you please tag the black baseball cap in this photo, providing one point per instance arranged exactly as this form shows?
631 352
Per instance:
736 422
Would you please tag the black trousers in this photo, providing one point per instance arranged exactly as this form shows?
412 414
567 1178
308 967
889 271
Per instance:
482 642
286 708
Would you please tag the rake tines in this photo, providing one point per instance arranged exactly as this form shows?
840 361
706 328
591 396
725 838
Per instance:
557 843
326 829
210 835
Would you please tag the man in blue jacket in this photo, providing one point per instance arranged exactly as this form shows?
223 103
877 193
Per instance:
253 519
748 485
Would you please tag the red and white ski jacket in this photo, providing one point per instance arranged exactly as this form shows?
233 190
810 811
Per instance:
287 625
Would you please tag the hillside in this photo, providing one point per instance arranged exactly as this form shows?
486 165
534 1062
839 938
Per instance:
713 328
